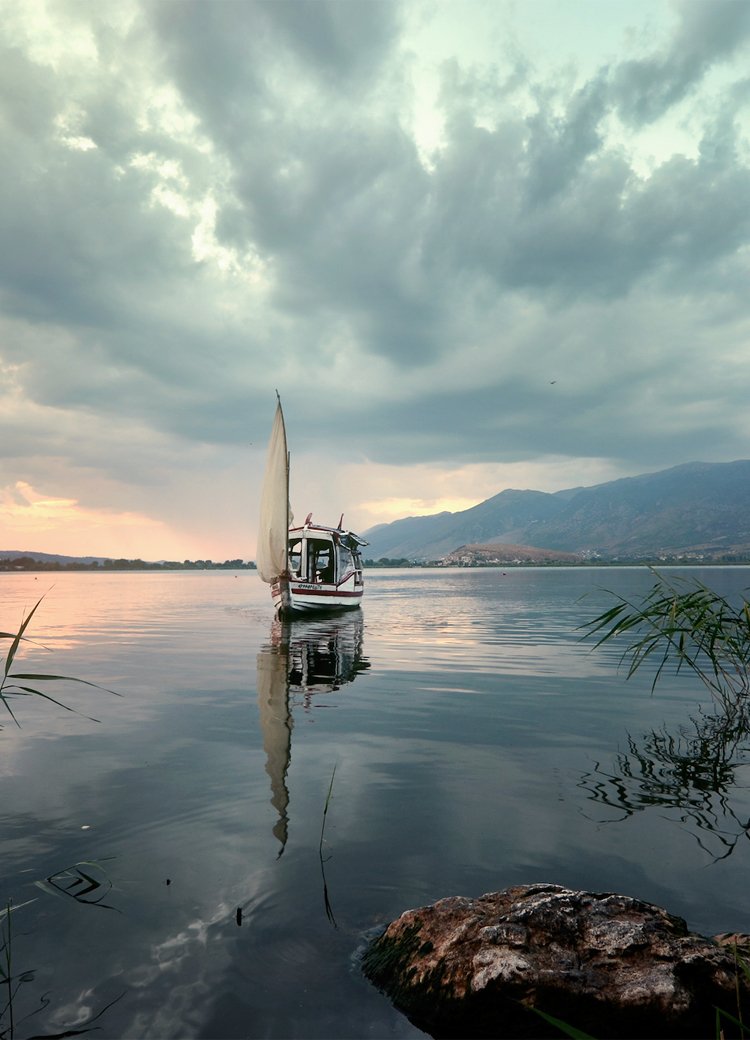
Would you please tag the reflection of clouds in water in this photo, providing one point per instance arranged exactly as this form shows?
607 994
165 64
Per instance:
183 973
540 658
173 951
184 967
167 987
76 1012
500 644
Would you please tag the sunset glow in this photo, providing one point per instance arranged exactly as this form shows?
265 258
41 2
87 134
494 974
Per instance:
30 519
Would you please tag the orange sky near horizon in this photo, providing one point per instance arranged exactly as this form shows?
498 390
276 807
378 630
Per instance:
33 522
221 522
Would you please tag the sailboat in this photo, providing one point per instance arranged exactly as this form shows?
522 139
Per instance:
310 568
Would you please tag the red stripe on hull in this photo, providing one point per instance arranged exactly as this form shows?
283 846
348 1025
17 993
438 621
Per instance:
325 594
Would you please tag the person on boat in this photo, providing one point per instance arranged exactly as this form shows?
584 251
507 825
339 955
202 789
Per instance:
324 566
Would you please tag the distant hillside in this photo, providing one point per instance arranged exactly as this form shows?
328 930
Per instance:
499 554
15 554
697 508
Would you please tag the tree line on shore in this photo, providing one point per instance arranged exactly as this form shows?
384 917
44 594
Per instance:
28 563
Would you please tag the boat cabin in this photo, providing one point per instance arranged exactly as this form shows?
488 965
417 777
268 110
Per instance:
324 555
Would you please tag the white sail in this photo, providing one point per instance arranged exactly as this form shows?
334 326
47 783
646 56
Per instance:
273 532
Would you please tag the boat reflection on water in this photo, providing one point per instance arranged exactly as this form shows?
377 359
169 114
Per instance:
301 659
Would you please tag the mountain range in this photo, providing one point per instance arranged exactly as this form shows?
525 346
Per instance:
696 509
42 557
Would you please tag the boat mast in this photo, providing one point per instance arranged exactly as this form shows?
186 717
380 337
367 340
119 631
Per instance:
288 464
286 540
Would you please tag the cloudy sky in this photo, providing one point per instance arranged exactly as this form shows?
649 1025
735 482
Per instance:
475 245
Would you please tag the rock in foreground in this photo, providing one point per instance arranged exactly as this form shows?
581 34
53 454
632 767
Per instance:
606 964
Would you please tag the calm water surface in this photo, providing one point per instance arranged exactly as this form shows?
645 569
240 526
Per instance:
171 855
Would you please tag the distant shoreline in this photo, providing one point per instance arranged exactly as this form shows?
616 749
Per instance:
671 561
10 566
27 563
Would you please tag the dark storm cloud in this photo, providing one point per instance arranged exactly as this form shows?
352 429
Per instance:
347 230
79 238
707 32
100 271
529 240
237 63
558 146
621 381
344 41
543 203
332 191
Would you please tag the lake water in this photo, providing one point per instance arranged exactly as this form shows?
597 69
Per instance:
171 854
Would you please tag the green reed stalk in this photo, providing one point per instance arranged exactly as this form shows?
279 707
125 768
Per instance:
6 973
10 687
325 810
686 624
326 898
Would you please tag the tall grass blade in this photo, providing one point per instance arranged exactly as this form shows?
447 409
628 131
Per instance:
725 1015
11 683
571 1031
325 809
77 883
38 693
19 636
326 899
8 707
8 970
686 624
61 678
15 906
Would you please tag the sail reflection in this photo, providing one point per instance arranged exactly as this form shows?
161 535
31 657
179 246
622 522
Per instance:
694 772
304 658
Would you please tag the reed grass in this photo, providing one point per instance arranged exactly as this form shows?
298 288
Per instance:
683 623
80 883
741 968
77 882
325 810
564 1027
6 973
11 980
326 898
14 684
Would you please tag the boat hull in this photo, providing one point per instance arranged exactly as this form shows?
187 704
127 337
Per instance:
292 597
